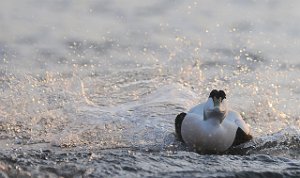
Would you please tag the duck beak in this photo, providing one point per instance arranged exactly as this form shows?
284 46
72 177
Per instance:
217 101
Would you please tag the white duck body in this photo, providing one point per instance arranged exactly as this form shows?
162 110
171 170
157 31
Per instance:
209 132
232 116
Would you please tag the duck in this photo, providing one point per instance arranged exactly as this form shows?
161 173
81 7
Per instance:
211 127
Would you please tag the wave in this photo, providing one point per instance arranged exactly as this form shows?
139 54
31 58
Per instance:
283 143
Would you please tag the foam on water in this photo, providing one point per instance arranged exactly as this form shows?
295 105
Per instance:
98 84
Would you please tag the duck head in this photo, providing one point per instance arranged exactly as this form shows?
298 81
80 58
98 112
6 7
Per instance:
216 107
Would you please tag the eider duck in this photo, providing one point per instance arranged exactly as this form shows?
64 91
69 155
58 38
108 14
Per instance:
211 127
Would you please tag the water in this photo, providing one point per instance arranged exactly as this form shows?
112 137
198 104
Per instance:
91 89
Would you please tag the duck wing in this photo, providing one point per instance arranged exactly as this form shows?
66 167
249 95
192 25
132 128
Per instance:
237 119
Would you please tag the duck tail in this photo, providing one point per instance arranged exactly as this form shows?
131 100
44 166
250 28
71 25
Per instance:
241 137
178 121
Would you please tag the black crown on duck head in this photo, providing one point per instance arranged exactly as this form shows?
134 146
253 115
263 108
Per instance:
217 94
